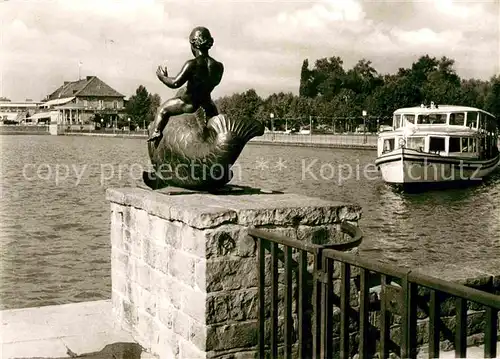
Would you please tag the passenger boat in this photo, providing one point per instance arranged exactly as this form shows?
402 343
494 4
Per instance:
438 144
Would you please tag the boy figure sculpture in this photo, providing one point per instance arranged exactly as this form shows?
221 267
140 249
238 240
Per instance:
201 74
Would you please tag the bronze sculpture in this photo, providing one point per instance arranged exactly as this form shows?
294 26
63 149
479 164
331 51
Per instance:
190 144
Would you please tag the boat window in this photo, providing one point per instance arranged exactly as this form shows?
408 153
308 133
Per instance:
468 144
416 143
408 119
472 119
388 144
457 119
472 145
454 144
432 119
482 121
465 144
396 122
436 144
491 127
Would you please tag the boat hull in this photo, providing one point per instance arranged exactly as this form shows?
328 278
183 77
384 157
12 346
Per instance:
406 167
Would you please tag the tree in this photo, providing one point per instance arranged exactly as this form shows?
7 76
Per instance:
492 102
241 105
306 87
154 104
139 106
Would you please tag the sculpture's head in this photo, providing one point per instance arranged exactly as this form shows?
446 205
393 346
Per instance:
201 39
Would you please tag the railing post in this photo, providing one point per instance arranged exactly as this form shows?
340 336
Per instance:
434 324
409 319
274 300
327 309
317 294
344 310
288 303
261 257
490 335
461 328
303 297
385 318
364 303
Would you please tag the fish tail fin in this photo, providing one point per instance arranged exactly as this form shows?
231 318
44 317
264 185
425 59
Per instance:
245 128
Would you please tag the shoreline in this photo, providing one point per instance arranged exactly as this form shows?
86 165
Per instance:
350 141
339 141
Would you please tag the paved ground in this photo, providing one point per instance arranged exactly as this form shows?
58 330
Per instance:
86 330
64 331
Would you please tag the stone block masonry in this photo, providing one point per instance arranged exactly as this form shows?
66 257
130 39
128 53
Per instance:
184 270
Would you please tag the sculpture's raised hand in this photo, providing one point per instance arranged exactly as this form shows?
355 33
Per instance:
161 72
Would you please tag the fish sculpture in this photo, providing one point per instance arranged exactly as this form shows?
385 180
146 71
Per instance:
197 153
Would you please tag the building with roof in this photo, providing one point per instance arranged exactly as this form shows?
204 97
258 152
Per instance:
17 111
82 102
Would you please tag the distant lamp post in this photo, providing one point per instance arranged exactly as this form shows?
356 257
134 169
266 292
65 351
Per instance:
102 123
128 125
364 125
271 115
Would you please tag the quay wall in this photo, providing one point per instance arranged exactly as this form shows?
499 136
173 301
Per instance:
24 130
355 141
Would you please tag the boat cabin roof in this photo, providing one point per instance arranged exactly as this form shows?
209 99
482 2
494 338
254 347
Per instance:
437 109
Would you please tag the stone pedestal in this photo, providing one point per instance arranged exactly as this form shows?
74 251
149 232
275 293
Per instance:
184 270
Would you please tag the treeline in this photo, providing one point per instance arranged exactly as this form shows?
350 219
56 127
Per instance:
328 91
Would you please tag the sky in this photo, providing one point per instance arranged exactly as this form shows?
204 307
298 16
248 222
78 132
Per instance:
262 44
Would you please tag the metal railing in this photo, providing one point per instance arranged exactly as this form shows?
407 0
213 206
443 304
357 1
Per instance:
315 319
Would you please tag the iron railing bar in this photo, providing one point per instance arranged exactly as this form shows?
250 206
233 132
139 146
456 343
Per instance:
461 328
451 288
345 275
365 263
303 352
490 335
456 290
309 247
274 301
409 320
385 318
318 257
288 303
327 322
364 302
262 288
434 324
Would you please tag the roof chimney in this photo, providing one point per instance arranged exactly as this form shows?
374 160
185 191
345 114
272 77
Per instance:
89 77
66 82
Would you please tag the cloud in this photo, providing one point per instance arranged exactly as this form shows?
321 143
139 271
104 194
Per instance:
389 37
120 41
261 43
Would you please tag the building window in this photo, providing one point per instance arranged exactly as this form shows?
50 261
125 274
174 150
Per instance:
115 104
101 104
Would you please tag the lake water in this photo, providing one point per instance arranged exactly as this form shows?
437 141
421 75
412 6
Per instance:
54 227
